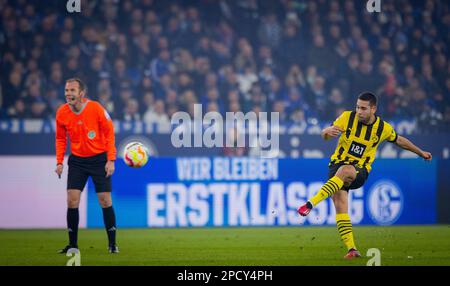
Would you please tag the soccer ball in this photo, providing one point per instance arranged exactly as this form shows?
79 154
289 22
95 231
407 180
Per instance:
135 154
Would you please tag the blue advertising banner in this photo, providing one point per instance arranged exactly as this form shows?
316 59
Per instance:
220 191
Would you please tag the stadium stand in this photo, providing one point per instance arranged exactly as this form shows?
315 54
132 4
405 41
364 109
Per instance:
145 60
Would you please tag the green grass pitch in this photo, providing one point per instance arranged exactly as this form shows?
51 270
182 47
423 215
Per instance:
264 246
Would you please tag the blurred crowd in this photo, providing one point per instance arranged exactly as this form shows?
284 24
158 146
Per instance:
306 59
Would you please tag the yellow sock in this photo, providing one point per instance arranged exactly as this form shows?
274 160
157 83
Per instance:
331 186
344 226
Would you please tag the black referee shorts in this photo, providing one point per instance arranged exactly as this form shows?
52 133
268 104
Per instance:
361 175
80 168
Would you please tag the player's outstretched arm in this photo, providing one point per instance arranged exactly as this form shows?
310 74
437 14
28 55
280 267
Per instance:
404 143
331 131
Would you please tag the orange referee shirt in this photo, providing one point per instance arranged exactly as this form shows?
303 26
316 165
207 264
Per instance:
90 130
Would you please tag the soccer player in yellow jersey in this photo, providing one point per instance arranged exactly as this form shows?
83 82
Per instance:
360 133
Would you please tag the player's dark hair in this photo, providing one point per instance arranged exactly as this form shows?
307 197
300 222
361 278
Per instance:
81 84
370 97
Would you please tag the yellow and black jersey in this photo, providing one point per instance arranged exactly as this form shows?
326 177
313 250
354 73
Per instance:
359 142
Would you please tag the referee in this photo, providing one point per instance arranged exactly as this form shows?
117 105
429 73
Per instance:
91 135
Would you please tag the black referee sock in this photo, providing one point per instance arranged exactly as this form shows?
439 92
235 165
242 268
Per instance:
109 218
72 226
